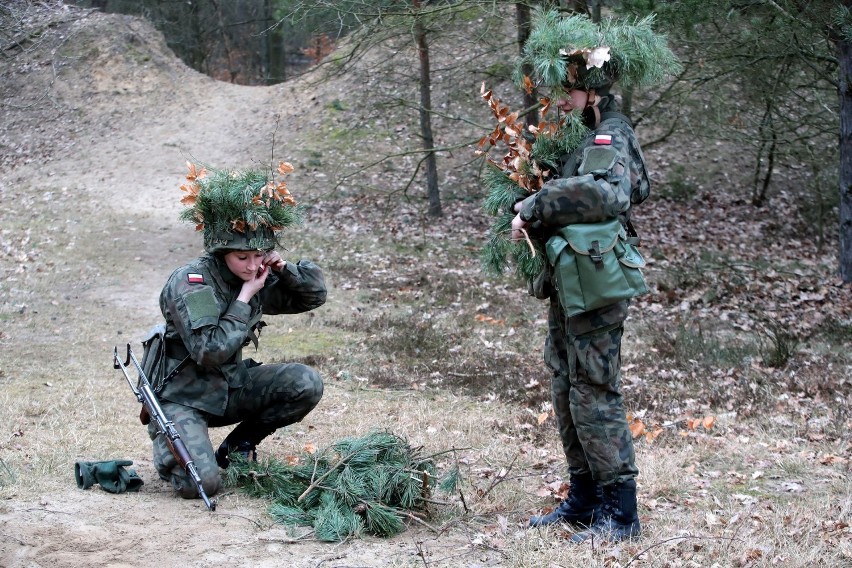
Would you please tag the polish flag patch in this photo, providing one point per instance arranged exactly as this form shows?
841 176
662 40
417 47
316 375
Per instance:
195 278
603 139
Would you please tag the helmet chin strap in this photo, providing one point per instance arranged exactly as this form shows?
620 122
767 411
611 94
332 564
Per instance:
592 103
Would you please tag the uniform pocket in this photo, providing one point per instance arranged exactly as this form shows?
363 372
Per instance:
599 356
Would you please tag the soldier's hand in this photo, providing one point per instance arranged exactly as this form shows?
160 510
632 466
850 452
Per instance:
274 261
518 228
253 286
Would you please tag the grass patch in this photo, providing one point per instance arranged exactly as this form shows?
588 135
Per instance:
687 345
778 344
303 343
7 475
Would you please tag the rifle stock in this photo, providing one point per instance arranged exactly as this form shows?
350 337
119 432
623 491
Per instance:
145 394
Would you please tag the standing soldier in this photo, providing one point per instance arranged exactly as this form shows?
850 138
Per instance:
604 176
212 308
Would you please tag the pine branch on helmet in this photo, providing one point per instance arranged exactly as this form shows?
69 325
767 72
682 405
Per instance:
573 52
238 209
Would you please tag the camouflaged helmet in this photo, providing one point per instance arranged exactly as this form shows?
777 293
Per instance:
238 210
261 239
573 52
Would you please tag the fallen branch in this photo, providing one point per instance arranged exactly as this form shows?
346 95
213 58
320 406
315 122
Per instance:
422 522
529 242
499 478
316 483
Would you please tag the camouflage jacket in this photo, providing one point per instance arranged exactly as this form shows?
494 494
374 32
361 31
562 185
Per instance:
599 180
205 321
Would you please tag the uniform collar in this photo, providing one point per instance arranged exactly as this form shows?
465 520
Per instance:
224 272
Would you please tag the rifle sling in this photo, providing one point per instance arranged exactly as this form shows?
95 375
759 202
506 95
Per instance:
184 362
144 415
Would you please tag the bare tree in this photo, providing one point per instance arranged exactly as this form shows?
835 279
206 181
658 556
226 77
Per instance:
771 72
524 23
394 27
420 37
842 39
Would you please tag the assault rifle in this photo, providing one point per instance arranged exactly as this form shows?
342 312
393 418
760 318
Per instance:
145 394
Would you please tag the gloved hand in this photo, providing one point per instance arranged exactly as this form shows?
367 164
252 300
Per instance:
110 475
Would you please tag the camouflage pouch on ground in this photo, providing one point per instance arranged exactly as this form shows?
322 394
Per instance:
594 266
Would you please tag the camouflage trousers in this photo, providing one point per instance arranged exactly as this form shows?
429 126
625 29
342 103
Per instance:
275 396
584 353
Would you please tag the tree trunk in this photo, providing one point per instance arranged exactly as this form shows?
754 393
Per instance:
426 116
844 56
275 57
768 141
233 68
578 6
196 42
522 17
596 11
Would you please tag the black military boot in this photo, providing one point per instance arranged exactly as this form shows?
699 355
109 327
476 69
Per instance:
581 507
243 440
226 448
618 520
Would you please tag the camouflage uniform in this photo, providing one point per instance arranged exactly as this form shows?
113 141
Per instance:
218 387
584 351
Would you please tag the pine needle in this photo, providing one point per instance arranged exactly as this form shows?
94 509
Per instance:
381 520
358 485
451 480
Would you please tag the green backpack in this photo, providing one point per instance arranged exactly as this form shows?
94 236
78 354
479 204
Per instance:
153 356
595 265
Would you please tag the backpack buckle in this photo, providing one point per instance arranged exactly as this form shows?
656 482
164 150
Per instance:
595 255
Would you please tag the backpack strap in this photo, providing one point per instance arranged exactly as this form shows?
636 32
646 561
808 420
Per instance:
255 325
639 194
611 114
632 236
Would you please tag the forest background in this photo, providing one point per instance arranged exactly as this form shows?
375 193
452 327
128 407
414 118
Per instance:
736 364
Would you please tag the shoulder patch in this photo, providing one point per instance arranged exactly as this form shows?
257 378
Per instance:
597 160
201 307
195 278
603 139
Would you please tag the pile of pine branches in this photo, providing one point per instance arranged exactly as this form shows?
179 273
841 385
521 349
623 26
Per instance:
357 485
